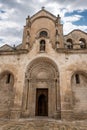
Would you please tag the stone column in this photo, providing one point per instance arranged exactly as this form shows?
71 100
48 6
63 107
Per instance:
66 112
25 100
58 102
17 106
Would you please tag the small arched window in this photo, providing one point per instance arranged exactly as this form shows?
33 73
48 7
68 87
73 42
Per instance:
27 37
8 78
42 45
69 44
82 43
57 32
28 34
43 34
77 78
57 45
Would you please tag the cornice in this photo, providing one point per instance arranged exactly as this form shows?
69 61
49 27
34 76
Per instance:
71 51
13 52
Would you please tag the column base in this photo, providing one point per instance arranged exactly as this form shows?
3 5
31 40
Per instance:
4 114
66 115
15 113
57 115
25 114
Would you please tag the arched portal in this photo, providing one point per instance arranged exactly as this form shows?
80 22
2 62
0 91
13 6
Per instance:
41 91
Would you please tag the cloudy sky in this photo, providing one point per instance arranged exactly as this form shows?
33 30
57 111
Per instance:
14 12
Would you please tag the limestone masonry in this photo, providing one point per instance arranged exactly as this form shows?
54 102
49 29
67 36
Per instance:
43 81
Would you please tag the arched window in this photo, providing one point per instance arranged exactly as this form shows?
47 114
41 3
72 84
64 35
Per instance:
57 45
28 34
69 44
57 32
8 78
42 45
77 78
82 43
43 34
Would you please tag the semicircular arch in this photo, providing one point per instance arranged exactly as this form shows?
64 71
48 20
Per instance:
43 64
43 17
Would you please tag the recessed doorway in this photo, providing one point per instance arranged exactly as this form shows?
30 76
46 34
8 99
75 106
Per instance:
41 102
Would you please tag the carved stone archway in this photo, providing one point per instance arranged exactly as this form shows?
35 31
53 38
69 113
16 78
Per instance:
41 74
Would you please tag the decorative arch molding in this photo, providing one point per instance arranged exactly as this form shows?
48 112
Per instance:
75 71
6 72
43 17
11 69
77 67
40 62
42 29
42 77
79 72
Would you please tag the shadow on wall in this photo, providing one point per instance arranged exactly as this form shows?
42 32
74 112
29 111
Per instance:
6 93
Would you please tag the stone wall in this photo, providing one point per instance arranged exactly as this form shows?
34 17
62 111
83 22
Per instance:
66 67
79 90
6 94
76 36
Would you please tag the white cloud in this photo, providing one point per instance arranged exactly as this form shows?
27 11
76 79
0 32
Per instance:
8 24
68 27
72 18
19 1
42 1
10 40
16 11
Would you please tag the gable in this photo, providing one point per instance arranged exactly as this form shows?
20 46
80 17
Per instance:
76 35
6 48
43 13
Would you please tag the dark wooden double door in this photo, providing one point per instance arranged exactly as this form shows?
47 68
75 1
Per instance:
41 102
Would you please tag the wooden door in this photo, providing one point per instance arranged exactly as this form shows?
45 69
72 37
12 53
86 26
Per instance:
42 102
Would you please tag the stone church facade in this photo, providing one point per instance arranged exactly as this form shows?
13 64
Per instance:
43 81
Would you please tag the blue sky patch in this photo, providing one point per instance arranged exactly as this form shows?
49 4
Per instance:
83 20
2 11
